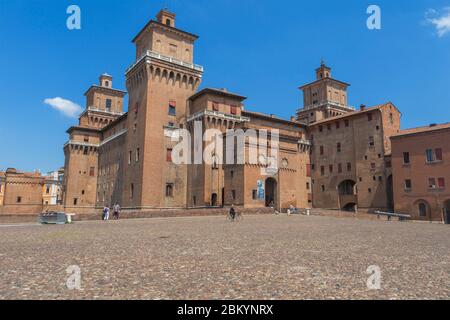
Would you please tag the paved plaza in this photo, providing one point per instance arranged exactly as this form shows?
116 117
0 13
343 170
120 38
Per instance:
262 257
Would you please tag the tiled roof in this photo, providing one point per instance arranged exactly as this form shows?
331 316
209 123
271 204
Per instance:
351 114
430 128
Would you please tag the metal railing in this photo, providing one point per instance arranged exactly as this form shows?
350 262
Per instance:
218 114
327 102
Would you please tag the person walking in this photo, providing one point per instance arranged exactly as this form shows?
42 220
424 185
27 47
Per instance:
106 213
232 212
116 213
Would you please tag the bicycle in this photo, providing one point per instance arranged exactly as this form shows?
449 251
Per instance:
237 217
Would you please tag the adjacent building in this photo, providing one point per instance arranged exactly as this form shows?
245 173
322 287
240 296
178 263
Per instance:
350 157
421 163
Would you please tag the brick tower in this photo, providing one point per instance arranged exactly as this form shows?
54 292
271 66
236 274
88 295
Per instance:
103 106
159 84
323 98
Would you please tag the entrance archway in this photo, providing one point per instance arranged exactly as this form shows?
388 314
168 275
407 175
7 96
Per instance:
447 211
349 207
347 188
271 192
348 198
214 200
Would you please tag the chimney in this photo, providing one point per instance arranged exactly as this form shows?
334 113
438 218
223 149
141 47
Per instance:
362 107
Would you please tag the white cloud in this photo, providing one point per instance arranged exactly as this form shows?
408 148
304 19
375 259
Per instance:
67 107
440 20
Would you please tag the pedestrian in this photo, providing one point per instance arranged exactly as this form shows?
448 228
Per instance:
106 213
232 212
116 213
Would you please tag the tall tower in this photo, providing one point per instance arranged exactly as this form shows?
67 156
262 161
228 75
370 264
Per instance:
323 98
159 84
103 105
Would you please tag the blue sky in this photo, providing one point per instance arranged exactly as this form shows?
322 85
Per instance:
262 49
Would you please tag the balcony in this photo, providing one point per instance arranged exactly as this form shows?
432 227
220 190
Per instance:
219 115
95 109
328 103
154 55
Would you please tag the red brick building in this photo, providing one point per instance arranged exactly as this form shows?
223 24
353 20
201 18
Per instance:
421 166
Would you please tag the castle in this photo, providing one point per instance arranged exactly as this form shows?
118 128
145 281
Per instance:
121 157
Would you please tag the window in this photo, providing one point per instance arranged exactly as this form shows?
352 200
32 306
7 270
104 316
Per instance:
172 108
75 201
347 123
195 200
47 189
138 151
233 194
349 166
369 117
308 186
171 124
323 188
373 166
169 190
215 106
391 118
233 110
340 168
168 22
431 183
406 158
331 168
132 190
92 171
254 194
369 190
86 138
82 192
86 151
388 164
434 155
371 142
19 199
422 209
169 155
438 153
339 147
321 150
130 155
320 128
108 105
441 183
322 170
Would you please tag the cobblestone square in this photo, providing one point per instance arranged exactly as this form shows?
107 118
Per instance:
262 257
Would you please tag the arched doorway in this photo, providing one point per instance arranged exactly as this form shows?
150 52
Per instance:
348 198
447 211
349 207
271 192
422 209
214 200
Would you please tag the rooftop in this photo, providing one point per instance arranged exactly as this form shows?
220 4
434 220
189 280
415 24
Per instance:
222 92
430 128
354 113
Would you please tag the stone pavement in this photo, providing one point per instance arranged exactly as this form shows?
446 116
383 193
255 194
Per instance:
262 257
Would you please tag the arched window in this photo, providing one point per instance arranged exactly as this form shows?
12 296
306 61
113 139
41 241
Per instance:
168 22
169 190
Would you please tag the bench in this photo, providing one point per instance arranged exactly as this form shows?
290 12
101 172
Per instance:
401 217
